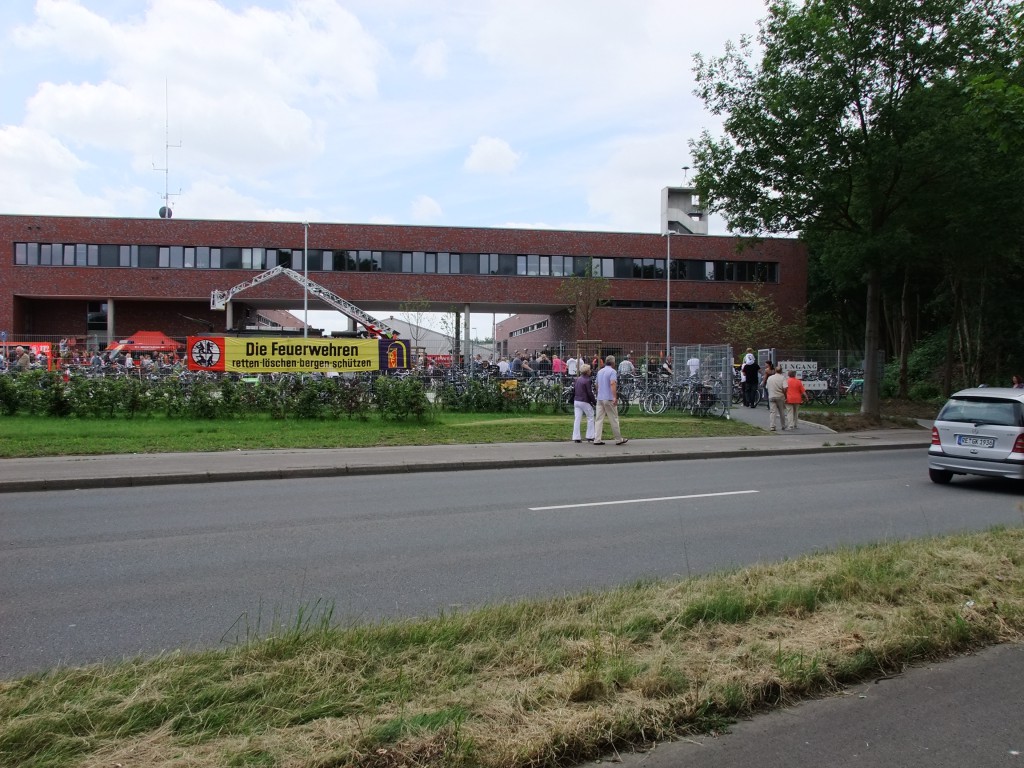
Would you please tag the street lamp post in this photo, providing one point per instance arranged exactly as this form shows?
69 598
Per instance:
305 275
668 292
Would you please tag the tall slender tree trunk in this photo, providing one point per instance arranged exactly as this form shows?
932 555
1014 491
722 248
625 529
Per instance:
871 404
947 373
904 339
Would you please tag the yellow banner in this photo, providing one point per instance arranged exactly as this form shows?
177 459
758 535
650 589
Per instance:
264 355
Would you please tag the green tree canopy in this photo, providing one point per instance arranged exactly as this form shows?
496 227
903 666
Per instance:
823 136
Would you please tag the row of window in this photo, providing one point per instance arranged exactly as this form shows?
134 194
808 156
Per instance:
414 262
529 329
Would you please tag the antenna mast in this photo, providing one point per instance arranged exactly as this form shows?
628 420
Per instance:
165 209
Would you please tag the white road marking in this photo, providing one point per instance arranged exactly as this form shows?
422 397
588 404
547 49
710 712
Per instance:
639 501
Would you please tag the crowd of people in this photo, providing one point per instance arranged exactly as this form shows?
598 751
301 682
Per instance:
21 357
526 364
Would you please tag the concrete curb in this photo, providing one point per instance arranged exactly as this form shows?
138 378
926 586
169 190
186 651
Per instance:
228 475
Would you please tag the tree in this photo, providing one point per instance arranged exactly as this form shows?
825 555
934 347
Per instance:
452 331
761 326
584 294
819 138
415 313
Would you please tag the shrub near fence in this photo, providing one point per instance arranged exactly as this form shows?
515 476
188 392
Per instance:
39 393
205 396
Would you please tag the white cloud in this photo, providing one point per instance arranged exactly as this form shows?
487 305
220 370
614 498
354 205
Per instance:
425 209
348 108
39 175
491 155
431 59
246 92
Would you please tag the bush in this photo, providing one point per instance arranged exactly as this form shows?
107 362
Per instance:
482 396
924 391
400 398
45 393
202 400
351 397
924 368
9 399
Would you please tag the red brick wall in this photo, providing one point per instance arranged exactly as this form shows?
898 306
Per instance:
51 299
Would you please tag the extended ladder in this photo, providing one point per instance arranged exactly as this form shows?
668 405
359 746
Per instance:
375 328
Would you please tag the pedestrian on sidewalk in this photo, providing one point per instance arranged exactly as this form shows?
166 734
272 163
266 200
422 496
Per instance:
751 379
607 402
796 394
775 383
583 404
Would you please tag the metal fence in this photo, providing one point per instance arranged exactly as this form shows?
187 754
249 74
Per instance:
828 375
707 369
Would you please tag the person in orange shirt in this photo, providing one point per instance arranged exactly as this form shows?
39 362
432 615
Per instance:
795 395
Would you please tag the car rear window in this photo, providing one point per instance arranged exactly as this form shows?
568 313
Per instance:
1005 413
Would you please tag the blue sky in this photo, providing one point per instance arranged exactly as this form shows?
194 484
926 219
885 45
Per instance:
567 114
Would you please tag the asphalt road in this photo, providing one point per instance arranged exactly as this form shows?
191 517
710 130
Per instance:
99 574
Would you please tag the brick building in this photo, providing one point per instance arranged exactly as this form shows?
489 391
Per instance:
101 278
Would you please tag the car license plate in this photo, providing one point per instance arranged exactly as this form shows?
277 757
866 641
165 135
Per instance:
972 441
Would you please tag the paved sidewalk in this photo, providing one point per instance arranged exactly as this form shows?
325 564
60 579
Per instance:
957 713
129 470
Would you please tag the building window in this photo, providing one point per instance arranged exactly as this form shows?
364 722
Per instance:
391 261
414 262
149 257
231 258
96 316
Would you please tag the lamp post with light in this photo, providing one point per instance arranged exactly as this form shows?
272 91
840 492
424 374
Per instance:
668 292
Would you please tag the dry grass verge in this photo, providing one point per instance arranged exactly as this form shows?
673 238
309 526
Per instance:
896 414
540 683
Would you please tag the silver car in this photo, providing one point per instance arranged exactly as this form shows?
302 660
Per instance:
979 432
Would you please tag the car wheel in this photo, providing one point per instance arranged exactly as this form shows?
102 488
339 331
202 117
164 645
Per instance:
940 476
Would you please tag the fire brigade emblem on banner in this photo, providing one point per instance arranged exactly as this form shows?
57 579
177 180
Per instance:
205 353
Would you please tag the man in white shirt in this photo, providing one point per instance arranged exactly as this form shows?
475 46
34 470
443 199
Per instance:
607 407
572 366
626 367
775 383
